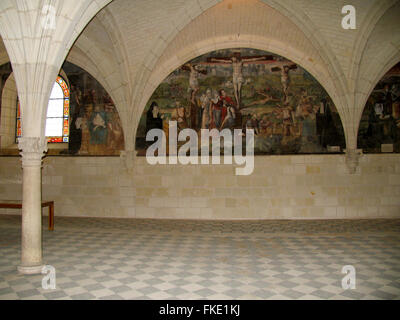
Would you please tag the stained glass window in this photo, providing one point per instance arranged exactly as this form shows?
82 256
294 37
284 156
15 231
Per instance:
18 127
57 121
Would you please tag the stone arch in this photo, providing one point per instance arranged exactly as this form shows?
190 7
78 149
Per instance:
293 131
381 53
312 32
380 120
366 29
244 34
187 13
3 53
85 54
250 41
85 113
22 32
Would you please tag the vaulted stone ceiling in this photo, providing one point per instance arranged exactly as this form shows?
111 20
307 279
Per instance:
130 46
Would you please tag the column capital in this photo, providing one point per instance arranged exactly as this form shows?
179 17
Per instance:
128 160
352 159
32 150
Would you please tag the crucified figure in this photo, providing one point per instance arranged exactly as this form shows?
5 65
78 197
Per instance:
193 79
285 79
237 62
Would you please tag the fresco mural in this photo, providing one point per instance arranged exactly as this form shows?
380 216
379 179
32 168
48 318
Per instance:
95 126
379 129
243 88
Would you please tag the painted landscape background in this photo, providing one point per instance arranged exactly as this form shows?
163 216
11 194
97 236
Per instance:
288 109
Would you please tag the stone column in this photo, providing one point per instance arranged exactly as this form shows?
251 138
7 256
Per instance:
352 159
127 161
32 151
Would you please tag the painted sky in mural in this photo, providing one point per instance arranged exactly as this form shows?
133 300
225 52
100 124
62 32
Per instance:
380 123
243 88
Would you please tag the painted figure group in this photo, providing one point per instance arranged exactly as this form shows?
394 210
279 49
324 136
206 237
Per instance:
95 126
280 114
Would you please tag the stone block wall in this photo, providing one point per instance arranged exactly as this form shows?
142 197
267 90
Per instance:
281 187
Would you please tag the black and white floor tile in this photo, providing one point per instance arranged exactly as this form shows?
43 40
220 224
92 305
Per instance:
167 259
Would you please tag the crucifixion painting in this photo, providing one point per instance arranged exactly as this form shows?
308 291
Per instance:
245 88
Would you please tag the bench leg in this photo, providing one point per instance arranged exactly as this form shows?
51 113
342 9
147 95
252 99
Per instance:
51 217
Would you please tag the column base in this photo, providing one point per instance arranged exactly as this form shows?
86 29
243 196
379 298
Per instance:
30 270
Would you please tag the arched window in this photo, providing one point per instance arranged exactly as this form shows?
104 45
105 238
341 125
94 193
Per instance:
57 120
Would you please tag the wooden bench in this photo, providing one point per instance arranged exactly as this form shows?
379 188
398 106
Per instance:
14 204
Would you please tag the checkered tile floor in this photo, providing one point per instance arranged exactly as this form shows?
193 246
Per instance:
152 259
